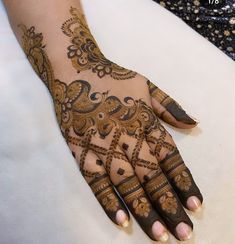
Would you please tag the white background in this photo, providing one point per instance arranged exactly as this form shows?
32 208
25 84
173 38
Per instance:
43 197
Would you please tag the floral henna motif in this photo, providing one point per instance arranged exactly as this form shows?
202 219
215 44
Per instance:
180 177
183 181
168 203
110 202
165 200
81 114
76 107
138 203
33 47
141 206
85 53
159 191
102 189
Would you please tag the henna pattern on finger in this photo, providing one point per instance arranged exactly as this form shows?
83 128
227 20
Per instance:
138 203
63 97
169 104
85 53
166 201
104 192
180 177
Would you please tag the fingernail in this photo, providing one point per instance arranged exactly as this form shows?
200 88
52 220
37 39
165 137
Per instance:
159 232
193 118
184 231
194 204
122 218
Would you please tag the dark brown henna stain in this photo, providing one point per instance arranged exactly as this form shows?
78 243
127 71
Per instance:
166 201
139 204
103 190
180 177
170 105
85 114
84 52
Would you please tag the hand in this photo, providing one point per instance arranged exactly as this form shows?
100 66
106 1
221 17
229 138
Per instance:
109 118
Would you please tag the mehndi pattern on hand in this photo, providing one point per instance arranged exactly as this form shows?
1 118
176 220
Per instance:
84 52
117 142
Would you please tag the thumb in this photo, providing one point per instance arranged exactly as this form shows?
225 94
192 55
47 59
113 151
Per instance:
168 109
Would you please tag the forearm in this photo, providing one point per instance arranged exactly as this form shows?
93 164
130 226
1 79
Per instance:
53 21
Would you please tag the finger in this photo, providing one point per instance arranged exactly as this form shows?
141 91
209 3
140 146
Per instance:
168 109
157 186
174 167
94 173
127 184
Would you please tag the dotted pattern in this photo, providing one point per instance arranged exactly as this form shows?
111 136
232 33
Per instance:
216 25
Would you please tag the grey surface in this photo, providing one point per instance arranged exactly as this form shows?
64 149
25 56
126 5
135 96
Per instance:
43 197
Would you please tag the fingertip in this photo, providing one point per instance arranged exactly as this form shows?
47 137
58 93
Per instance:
180 115
184 231
159 232
194 204
122 218
171 120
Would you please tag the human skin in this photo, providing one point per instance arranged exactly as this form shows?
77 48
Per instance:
113 133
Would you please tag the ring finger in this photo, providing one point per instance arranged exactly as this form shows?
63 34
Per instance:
156 185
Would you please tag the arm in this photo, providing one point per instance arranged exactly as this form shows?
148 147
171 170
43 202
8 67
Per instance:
113 133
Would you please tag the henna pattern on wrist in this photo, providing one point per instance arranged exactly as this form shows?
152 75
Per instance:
85 53
32 44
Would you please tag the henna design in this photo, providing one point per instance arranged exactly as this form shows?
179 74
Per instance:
183 181
180 177
138 203
102 189
170 104
34 49
81 114
160 142
85 53
77 108
166 201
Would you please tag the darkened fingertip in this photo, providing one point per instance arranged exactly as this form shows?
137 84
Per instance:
117 212
179 114
138 204
147 224
173 220
189 191
109 200
166 202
